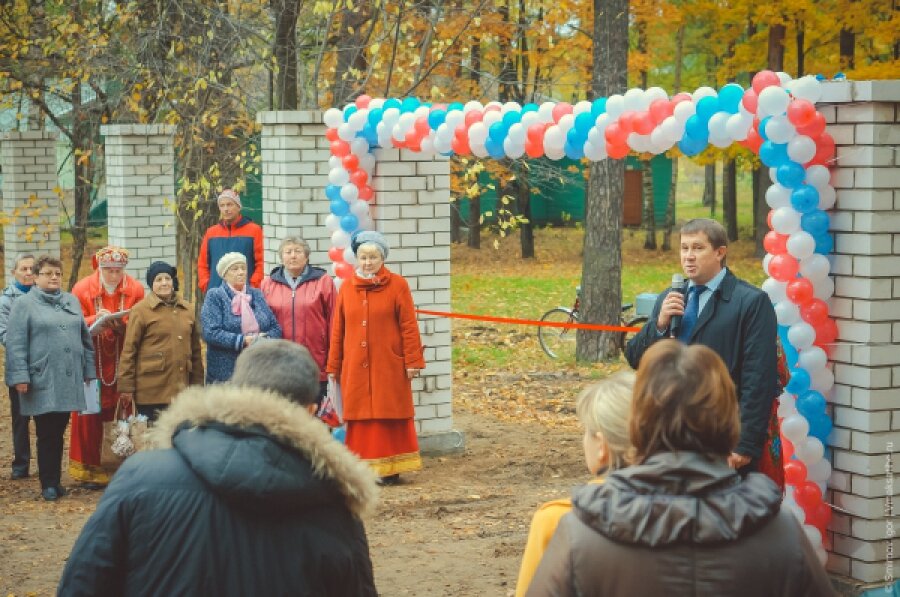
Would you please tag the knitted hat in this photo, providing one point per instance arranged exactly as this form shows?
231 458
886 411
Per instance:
161 267
110 256
370 237
232 195
227 260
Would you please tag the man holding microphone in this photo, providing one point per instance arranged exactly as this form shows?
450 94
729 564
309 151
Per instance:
730 316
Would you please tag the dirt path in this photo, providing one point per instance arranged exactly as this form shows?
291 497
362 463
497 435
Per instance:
456 528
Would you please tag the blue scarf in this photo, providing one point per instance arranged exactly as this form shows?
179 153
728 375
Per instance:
22 287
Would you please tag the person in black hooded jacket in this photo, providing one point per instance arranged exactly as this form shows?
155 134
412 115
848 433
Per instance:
247 495
681 521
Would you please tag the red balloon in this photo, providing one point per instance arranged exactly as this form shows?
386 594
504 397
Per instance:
775 243
626 121
617 151
814 128
763 79
822 517
801 112
643 123
560 110
343 270
826 331
422 127
615 134
661 109
336 254
815 312
794 472
787 449
799 290
366 193
535 133
534 149
783 267
808 495
492 108
753 140
359 178
340 148
750 101
460 145
331 134
472 117
350 162
824 149
684 96
412 138
769 218
363 101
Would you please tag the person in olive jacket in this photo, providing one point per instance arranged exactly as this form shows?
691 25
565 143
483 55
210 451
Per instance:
248 495
161 355
681 521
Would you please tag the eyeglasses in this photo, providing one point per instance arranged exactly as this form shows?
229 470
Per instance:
51 274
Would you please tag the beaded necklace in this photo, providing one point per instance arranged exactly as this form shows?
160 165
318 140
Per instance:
99 345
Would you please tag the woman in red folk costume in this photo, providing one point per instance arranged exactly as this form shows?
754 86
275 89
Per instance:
106 291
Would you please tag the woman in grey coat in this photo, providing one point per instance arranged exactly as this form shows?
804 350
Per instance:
49 354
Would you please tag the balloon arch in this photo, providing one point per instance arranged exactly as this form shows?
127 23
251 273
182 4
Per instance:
775 118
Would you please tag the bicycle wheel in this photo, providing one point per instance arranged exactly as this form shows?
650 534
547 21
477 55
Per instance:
624 337
558 343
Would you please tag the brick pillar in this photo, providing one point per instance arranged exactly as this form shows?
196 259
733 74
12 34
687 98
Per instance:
29 201
863 119
140 178
412 209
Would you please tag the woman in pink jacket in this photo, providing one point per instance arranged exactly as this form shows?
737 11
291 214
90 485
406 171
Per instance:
302 298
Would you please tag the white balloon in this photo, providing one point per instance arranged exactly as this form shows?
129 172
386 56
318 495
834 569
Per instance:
672 128
390 117
787 313
555 153
785 220
773 175
823 381
582 106
738 127
615 105
513 149
491 117
338 176
823 288
349 192
721 142
529 118
554 139
772 101
818 176
801 335
655 93
810 450
827 197
813 534
478 150
801 244
398 133
814 267
639 143
546 111
333 118
473 105
801 149
776 290
807 88
812 359
358 120
340 239
350 256
819 472
767 259
478 133
795 428
683 111
787 406
703 92
595 152
332 222
454 119
821 555
566 122
778 196
517 133
359 208
658 139
784 78
718 125
367 162
780 130
359 147
634 100
334 162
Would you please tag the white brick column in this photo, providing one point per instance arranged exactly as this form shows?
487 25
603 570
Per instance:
140 178
29 201
863 119
412 209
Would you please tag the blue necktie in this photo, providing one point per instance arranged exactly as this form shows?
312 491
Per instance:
691 312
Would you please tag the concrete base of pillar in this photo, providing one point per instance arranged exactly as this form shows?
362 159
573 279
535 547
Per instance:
441 444
848 587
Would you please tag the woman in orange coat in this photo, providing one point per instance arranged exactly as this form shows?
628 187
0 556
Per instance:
108 290
375 351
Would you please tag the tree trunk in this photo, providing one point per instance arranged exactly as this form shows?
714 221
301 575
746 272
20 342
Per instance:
83 159
285 80
649 207
526 228
475 222
601 278
760 208
673 188
776 47
350 55
847 42
709 188
729 199
801 35
455 223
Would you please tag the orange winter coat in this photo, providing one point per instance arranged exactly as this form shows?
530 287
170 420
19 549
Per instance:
374 340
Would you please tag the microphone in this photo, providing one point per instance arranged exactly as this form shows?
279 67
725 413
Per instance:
675 323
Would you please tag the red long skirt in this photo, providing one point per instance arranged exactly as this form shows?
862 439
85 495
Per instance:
389 446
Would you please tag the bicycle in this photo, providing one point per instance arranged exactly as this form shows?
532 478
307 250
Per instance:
560 342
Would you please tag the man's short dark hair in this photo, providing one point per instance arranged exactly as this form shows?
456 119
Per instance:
279 366
713 230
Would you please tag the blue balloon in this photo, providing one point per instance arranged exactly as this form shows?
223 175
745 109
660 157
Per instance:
339 433
349 223
730 97
391 103
583 123
575 138
805 199
370 134
690 146
761 129
820 427
529 108
799 381
790 353
790 174
339 207
824 244
436 118
333 192
497 132
811 404
511 118
598 107
697 128
773 154
349 111
816 222
409 104
455 106
707 106
374 116
494 148
574 152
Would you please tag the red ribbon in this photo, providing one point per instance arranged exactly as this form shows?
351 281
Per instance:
547 324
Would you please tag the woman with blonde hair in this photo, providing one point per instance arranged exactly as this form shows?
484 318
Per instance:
603 410
680 520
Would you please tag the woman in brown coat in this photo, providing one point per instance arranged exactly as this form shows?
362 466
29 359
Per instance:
375 351
161 355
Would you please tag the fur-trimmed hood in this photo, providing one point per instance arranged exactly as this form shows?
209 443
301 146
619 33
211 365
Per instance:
251 446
